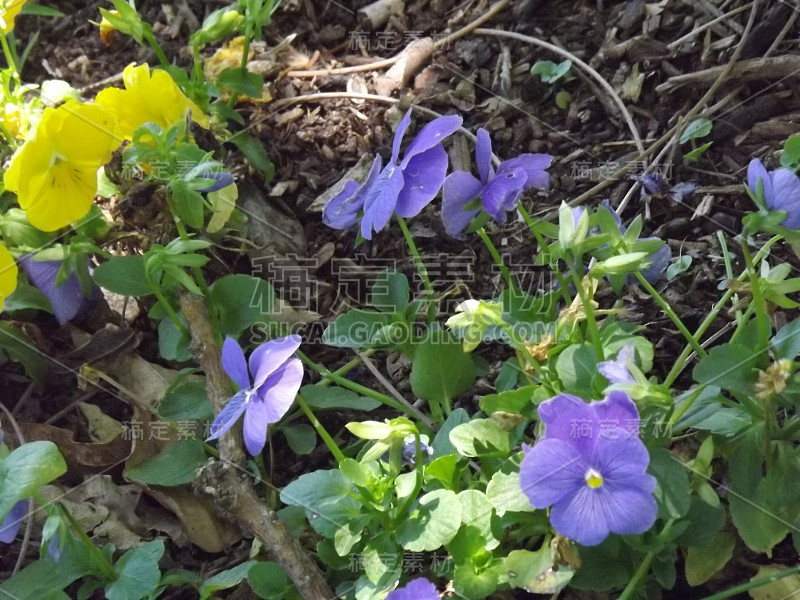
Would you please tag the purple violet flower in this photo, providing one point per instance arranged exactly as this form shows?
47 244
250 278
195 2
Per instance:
265 398
217 180
11 524
617 371
781 190
659 260
590 465
417 589
499 191
68 299
404 187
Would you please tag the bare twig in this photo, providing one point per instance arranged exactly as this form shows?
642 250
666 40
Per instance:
223 480
747 70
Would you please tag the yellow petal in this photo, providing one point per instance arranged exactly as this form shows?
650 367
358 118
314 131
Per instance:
9 9
8 274
87 133
60 196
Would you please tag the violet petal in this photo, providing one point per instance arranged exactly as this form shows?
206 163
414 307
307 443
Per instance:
756 171
280 389
67 299
418 589
551 471
534 165
229 414
12 522
341 211
234 364
256 419
786 190
422 179
459 189
483 156
381 200
431 135
270 356
503 193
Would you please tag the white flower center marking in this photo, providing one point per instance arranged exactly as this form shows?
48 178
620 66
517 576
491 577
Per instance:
593 479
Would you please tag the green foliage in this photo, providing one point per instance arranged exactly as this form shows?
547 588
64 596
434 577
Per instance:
551 72
174 465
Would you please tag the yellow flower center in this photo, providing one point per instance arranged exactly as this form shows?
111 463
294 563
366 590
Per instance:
593 479
56 158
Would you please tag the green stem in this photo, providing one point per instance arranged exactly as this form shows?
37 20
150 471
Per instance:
199 278
412 497
671 314
562 283
712 315
332 446
641 572
423 272
762 321
351 385
162 58
165 303
243 63
497 259
746 587
588 309
12 65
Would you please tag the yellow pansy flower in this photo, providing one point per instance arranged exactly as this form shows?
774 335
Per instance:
8 274
14 120
55 172
9 9
148 98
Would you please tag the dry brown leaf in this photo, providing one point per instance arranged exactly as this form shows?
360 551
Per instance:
81 457
416 54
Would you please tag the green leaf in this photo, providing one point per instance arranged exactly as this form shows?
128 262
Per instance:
20 348
40 11
354 329
441 370
225 579
441 443
188 203
695 154
268 581
533 571
443 469
729 366
505 493
696 129
186 402
25 470
549 71
703 562
26 297
254 151
476 511
785 343
673 493
241 301
325 497
390 292
241 81
356 472
434 522
123 275
576 367
174 465
705 522
302 439
679 266
327 397
223 202
474 584
519 401
480 437
138 573
172 343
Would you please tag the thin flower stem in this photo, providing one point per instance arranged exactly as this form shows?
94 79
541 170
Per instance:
12 65
562 284
762 321
746 587
588 309
361 389
199 278
423 272
671 314
641 572
497 259
712 315
162 58
332 446
165 303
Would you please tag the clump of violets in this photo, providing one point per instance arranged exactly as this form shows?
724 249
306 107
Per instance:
781 190
590 466
403 186
499 191
264 398
417 589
